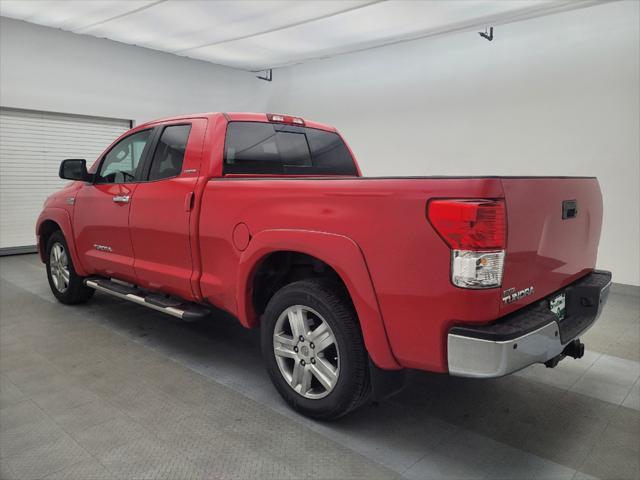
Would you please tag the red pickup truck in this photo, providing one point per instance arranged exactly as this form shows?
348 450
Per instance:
351 279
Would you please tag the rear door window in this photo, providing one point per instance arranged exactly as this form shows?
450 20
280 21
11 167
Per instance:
169 154
266 148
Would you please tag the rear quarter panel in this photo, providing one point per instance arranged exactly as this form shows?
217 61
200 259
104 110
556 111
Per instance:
407 261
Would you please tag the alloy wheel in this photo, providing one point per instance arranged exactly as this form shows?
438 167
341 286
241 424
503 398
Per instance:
59 267
306 352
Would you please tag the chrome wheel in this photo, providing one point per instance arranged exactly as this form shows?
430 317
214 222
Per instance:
306 352
59 267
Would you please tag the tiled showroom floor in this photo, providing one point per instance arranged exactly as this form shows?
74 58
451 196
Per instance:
112 390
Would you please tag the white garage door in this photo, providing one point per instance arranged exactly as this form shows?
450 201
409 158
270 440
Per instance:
32 145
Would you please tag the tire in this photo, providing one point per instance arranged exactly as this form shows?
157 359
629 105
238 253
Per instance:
66 285
295 371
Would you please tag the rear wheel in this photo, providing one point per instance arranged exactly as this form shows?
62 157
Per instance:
313 348
66 285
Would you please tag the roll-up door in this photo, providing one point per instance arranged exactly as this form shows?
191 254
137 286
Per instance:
32 145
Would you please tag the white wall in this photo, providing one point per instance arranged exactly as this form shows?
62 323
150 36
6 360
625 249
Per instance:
556 95
47 69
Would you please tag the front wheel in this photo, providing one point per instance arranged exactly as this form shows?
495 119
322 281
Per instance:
66 285
313 348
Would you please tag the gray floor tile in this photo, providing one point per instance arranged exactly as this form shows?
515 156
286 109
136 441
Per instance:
85 470
172 400
398 447
40 379
607 458
632 400
82 417
148 406
58 401
521 465
602 388
465 456
176 468
46 459
584 476
619 370
104 437
9 394
20 366
6 473
609 379
20 414
139 456
565 375
28 435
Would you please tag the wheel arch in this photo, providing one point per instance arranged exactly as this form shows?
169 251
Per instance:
51 220
341 256
282 267
47 228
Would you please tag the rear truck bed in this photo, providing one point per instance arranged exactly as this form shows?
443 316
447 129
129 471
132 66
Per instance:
541 233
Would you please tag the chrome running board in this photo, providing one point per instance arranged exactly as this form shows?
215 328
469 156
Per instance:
189 312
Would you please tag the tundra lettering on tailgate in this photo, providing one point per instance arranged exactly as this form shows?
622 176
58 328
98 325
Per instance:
511 295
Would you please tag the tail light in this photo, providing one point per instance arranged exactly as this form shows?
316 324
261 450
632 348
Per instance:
475 230
277 118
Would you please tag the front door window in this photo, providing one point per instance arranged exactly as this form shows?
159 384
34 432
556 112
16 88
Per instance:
121 164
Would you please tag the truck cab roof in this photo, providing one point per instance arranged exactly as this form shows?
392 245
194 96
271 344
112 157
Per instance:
235 117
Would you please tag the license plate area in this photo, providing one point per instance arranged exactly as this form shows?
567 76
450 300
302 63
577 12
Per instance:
558 305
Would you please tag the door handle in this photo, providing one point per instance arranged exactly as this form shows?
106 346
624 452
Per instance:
121 199
188 202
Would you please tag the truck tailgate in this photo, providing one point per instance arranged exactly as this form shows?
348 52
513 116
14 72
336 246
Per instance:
553 230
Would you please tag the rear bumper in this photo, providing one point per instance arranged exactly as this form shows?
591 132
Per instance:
530 335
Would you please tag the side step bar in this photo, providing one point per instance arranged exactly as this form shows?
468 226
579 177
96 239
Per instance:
189 312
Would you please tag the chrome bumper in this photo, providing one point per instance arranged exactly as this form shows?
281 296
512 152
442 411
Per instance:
530 335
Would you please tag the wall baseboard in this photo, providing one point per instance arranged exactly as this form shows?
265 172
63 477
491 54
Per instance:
18 250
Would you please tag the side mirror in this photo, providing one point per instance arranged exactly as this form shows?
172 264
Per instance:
75 169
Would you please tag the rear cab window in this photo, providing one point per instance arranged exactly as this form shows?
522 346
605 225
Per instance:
280 149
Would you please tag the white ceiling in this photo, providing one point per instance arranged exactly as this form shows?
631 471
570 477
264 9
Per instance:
260 34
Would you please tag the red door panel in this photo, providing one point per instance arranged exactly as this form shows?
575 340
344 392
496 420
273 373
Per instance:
101 226
160 235
161 219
